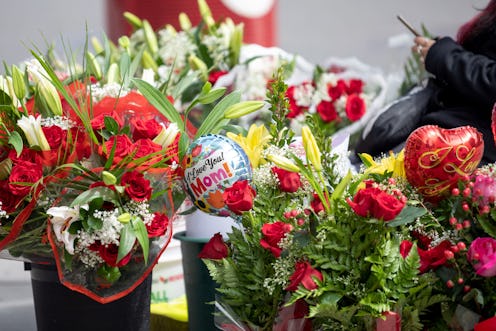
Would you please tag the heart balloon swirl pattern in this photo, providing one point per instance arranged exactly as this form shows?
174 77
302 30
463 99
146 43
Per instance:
436 158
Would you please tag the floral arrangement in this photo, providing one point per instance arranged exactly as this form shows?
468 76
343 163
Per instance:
91 168
177 61
343 95
325 250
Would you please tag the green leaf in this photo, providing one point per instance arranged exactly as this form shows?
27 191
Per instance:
488 225
407 215
142 236
127 240
338 192
111 125
159 101
97 192
15 140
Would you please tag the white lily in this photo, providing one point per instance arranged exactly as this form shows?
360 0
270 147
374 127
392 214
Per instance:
31 127
62 218
46 89
166 137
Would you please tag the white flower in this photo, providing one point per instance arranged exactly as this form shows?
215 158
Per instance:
303 94
31 127
47 91
62 218
166 137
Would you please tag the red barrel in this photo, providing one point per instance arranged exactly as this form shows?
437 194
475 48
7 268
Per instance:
258 16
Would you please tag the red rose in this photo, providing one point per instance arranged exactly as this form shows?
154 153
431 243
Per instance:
57 140
145 129
355 86
272 235
83 147
215 75
239 197
317 204
98 122
405 248
22 176
158 225
136 186
27 154
288 181
294 109
8 200
430 258
145 147
433 257
123 147
373 202
55 136
303 275
336 91
109 255
214 249
355 107
327 111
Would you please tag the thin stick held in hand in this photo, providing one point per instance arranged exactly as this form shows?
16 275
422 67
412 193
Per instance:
408 26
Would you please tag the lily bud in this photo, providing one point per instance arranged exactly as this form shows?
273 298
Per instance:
205 12
124 218
172 30
108 178
236 42
167 136
311 149
94 66
150 37
184 22
7 85
31 127
47 91
283 163
198 65
148 61
209 95
113 75
242 108
134 20
18 83
97 46
124 42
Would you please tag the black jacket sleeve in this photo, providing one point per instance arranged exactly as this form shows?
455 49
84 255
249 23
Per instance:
471 76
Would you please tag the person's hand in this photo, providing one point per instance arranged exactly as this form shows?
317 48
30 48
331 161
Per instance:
421 46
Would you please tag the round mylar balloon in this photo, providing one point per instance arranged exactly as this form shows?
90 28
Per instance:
212 164
436 158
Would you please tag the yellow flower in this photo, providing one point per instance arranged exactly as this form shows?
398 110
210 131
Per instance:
254 142
393 163
311 149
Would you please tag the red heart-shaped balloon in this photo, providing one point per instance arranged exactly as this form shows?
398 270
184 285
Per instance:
436 158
